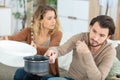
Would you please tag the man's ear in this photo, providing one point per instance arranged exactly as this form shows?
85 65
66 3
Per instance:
109 37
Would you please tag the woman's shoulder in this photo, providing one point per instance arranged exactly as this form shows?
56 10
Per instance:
57 33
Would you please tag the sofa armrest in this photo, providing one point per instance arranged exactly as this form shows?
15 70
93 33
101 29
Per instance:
6 72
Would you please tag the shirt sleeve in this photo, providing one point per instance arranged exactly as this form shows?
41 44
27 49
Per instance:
23 35
101 71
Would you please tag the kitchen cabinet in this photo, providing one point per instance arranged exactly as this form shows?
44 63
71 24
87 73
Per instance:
73 15
5 21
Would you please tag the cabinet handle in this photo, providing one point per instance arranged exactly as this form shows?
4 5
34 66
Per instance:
72 17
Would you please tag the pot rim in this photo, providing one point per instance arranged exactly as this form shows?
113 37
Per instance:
46 60
36 61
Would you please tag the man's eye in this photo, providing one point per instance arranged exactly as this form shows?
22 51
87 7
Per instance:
94 31
101 35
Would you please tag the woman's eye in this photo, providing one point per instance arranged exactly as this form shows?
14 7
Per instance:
49 18
55 17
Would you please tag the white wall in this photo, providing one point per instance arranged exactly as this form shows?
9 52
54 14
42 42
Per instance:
5 21
16 24
73 15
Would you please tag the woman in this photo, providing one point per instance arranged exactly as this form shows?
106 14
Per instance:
43 33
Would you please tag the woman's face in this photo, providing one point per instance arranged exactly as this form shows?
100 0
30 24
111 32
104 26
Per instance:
49 20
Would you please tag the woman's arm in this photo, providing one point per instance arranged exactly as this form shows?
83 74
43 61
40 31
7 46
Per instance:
4 38
23 35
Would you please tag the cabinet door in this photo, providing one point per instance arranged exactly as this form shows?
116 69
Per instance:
73 26
75 8
79 26
5 21
64 7
80 9
73 15
66 24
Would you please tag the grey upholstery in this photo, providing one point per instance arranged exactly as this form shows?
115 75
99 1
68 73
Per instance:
6 72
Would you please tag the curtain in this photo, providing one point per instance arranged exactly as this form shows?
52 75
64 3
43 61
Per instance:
109 7
117 33
94 9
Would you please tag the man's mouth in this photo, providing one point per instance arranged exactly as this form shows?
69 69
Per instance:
93 42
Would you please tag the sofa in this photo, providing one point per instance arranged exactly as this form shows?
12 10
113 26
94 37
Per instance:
7 72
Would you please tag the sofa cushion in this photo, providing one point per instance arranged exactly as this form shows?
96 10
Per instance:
114 42
115 69
118 51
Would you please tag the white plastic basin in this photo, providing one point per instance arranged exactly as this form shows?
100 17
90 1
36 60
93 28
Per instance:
13 52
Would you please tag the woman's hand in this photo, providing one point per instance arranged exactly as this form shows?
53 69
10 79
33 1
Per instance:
33 44
4 38
52 55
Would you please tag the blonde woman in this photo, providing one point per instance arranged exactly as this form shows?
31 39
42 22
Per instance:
43 33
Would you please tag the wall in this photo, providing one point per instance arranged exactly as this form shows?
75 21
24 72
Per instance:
15 7
117 35
5 21
72 16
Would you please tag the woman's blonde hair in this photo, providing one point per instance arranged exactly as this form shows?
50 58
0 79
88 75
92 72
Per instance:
38 16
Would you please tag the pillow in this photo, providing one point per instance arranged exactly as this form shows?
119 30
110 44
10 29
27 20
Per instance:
118 51
113 42
115 69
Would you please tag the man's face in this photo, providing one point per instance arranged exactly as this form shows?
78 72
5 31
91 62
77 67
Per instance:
97 35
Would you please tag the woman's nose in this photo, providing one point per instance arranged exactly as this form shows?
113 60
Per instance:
54 21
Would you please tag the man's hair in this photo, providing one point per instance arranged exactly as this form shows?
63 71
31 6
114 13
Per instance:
104 22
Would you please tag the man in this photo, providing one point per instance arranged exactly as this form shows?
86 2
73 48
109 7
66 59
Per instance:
92 55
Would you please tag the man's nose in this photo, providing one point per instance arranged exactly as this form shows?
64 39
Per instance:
96 37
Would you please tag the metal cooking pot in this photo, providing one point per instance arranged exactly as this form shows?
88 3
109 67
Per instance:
36 64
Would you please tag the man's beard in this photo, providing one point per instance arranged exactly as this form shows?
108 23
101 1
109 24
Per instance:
95 45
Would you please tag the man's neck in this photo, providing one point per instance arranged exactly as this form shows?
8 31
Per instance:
95 49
